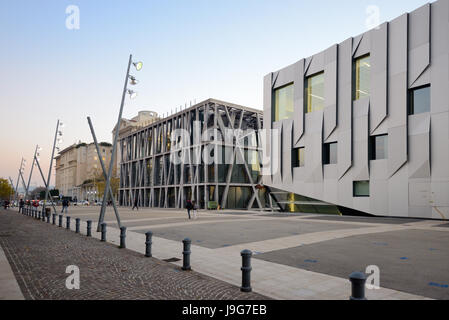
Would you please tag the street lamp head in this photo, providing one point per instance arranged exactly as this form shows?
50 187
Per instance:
138 65
61 124
133 81
132 94
60 133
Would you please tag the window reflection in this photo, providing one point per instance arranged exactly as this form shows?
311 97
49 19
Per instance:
283 103
362 77
314 92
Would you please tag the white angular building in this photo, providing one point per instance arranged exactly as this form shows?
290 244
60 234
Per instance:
364 125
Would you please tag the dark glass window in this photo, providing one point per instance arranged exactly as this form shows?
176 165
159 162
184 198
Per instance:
379 147
361 188
330 153
419 100
298 157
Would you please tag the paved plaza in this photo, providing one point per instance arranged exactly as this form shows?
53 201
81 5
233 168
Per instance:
301 256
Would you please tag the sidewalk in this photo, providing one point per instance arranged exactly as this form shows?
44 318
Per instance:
39 254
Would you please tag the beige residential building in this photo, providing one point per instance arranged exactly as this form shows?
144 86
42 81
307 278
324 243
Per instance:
76 168
142 120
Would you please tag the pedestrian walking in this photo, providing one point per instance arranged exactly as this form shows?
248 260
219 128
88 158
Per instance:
189 207
65 206
21 205
136 205
195 209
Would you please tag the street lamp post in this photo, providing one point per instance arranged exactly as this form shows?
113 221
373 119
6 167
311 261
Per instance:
51 163
45 182
18 178
31 172
138 66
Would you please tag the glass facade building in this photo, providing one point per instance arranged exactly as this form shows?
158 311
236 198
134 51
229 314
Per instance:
209 153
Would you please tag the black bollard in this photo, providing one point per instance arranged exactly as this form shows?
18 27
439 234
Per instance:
186 254
39 217
246 271
60 221
68 223
48 218
148 243
122 237
89 228
44 214
77 225
358 280
103 232
54 218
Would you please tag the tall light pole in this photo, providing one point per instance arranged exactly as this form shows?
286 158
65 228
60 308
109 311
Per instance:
31 172
138 66
45 182
12 186
18 178
47 190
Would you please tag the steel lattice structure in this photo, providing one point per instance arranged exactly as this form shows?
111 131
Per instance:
149 175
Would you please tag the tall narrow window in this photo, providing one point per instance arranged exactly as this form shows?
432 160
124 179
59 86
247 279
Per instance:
298 158
379 147
314 93
362 67
419 100
361 189
283 103
330 153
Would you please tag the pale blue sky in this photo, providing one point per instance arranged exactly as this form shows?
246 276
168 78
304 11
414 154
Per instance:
191 49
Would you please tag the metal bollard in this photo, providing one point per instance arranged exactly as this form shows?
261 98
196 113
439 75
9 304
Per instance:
148 243
48 218
60 221
122 237
186 254
54 218
103 232
39 217
246 271
89 228
77 225
68 223
44 214
358 280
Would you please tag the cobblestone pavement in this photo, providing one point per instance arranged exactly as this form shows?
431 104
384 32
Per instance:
39 254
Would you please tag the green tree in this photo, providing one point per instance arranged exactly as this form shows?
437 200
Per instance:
6 190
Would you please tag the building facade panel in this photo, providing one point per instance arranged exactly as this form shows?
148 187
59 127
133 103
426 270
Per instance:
389 126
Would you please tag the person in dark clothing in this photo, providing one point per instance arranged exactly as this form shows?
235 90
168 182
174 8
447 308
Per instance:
189 206
21 205
65 206
135 205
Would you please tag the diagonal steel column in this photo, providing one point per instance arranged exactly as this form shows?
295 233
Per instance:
114 148
104 170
